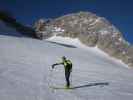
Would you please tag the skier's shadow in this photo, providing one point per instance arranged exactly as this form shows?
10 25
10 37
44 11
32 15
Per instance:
91 84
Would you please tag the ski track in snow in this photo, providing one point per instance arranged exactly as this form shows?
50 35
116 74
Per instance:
25 71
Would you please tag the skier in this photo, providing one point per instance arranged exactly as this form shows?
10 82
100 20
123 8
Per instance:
68 69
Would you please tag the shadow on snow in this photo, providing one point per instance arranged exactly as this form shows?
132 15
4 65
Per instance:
90 85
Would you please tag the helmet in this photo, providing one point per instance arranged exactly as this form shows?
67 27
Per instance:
63 57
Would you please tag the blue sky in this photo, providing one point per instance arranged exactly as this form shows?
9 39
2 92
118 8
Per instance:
118 12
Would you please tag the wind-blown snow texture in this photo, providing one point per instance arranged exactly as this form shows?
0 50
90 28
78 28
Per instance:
25 72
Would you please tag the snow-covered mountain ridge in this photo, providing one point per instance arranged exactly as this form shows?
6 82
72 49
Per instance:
8 23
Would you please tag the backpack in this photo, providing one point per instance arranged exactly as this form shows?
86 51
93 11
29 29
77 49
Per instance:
68 63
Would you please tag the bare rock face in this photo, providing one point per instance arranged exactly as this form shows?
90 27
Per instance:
40 29
91 30
129 56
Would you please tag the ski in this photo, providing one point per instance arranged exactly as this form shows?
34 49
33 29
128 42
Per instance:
58 88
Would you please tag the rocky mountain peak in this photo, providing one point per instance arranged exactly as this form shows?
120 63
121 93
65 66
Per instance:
91 30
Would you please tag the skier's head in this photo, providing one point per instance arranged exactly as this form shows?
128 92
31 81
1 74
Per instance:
63 58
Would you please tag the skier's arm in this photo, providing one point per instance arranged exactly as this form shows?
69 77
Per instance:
56 64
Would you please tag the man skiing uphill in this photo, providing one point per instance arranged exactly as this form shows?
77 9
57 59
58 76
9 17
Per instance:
68 69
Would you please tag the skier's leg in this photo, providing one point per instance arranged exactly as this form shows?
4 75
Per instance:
69 72
67 79
67 75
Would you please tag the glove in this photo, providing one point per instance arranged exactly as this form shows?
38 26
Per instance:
53 66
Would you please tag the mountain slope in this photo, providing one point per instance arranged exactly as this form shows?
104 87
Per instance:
25 72
4 30
8 23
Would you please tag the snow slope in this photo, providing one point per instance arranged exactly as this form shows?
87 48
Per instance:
25 72
76 42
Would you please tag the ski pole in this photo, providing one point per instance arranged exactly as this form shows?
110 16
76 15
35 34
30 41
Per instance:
50 76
